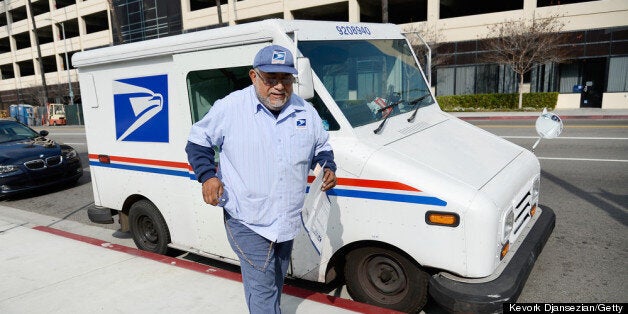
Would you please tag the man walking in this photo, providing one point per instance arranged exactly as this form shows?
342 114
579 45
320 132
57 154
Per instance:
268 141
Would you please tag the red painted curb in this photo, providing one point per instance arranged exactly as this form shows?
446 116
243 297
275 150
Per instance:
290 290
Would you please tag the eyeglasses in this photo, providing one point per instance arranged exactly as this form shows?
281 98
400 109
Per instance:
274 81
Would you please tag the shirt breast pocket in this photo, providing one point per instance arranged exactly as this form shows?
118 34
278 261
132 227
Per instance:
301 148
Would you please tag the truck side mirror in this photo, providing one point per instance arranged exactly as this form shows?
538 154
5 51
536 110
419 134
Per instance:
304 85
548 125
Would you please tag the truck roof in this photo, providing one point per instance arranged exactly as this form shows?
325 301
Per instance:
260 31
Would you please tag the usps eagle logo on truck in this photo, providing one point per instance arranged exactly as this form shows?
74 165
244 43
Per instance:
141 108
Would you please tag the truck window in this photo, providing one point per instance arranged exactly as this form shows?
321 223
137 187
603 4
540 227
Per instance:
329 122
365 75
207 86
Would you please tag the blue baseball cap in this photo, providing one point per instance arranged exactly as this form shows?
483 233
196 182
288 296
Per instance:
275 59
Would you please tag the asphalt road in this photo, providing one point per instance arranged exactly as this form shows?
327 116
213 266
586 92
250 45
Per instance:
584 180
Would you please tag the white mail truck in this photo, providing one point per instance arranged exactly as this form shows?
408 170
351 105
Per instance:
424 201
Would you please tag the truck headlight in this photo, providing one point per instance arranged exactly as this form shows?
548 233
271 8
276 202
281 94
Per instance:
536 186
508 223
8 169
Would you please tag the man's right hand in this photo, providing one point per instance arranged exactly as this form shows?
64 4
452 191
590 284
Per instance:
212 190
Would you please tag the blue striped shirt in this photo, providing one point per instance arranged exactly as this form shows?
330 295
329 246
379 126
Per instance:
264 161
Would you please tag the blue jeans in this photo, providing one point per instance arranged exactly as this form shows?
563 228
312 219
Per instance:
264 265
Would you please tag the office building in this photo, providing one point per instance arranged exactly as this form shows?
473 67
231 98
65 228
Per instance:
597 31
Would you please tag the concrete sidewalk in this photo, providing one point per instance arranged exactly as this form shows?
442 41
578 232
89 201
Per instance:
49 270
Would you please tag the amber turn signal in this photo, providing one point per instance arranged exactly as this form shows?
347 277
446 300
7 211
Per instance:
505 249
442 219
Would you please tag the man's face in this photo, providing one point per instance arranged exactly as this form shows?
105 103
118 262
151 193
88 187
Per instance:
272 89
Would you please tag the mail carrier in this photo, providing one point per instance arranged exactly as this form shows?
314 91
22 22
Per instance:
423 199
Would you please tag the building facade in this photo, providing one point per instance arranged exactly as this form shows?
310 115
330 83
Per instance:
85 25
596 76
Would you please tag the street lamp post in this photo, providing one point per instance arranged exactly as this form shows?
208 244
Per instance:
67 66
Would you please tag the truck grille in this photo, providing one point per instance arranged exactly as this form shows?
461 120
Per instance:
522 214
38 164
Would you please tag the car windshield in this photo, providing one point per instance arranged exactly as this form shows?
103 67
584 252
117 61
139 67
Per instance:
13 131
369 79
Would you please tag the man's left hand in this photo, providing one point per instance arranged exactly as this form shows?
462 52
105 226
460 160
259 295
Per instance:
329 180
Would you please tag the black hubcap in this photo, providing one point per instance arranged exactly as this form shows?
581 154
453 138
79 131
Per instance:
147 230
386 280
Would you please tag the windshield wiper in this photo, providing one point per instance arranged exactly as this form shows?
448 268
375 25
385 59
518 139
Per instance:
381 125
414 103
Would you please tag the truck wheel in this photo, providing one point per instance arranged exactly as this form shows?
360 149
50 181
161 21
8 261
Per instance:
149 229
385 278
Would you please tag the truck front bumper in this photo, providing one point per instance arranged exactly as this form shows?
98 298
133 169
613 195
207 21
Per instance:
488 297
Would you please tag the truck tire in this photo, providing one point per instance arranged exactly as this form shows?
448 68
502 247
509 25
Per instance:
385 278
148 227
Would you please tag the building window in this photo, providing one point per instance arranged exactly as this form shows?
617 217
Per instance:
7 71
40 7
331 12
59 4
96 22
201 4
569 77
485 78
3 19
543 78
508 80
445 81
618 74
22 40
456 8
139 20
474 79
465 80
547 3
26 68
5 45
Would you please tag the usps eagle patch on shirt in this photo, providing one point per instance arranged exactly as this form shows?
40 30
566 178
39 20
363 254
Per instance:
279 57
301 123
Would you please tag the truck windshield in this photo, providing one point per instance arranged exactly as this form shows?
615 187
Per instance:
365 77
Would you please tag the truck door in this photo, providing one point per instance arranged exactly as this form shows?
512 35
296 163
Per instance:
211 75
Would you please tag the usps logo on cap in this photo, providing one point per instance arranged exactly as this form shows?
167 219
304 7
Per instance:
279 57
141 108
301 124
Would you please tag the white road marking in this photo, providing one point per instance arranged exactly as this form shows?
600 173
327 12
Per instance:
570 138
582 159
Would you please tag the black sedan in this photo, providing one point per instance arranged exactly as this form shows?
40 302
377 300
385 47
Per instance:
28 160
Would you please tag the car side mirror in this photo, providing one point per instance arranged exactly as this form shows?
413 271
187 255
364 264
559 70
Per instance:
43 133
548 125
304 85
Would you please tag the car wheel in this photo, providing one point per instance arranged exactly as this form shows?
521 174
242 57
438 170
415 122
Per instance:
385 278
148 227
